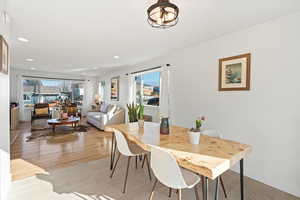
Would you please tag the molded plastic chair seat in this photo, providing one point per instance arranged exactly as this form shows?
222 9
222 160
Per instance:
190 178
168 172
130 150
135 149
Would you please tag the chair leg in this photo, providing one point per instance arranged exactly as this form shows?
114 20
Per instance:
170 192
140 157
149 172
223 187
126 175
136 158
179 194
144 161
196 192
112 151
113 171
153 188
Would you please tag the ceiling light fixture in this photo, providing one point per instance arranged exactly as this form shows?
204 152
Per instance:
163 14
116 57
29 59
32 68
21 39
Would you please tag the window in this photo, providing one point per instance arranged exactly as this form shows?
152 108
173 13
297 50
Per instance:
52 91
147 88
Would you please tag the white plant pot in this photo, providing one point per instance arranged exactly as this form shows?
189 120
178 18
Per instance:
141 123
194 137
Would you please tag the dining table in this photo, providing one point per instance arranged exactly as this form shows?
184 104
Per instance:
210 158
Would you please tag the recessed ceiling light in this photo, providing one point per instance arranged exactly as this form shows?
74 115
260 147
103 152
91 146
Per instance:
21 39
32 68
95 67
29 59
116 57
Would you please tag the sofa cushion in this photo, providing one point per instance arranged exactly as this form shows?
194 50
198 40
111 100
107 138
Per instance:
104 107
41 111
111 109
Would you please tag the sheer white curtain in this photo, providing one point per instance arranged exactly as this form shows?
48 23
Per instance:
131 88
165 99
19 88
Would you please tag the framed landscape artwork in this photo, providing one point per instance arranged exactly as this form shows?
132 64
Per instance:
3 56
115 88
234 73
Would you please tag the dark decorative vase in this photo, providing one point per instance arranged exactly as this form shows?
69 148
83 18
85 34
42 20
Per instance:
164 126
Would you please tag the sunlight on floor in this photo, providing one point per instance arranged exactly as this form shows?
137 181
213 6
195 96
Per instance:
24 169
93 197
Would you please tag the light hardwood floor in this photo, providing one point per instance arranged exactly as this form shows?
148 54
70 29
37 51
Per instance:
46 154
51 152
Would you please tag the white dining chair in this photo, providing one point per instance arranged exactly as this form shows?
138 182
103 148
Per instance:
123 148
217 134
168 172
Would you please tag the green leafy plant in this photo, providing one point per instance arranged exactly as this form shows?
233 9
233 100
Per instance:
133 112
199 122
141 111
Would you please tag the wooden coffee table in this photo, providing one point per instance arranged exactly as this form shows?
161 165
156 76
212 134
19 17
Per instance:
57 122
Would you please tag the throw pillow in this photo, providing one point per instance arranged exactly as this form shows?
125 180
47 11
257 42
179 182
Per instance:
41 111
103 108
111 109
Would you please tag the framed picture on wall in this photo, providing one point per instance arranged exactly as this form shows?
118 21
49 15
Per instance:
234 73
3 55
114 94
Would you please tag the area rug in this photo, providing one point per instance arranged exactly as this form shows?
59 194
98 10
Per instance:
91 181
59 131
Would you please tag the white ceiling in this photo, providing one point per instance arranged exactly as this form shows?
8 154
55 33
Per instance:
80 36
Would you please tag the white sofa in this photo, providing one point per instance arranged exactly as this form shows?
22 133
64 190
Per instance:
104 117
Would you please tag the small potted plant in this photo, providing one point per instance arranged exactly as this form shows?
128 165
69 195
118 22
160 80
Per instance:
195 133
141 116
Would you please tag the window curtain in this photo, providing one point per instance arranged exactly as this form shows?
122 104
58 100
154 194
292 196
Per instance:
19 88
165 99
131 88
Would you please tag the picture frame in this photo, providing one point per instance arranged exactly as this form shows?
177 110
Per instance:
4 56
115 88
234 73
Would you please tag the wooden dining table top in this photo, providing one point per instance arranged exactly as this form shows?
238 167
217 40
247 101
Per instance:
212 157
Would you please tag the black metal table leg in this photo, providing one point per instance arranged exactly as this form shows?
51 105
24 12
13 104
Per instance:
136 159
217 188
203 187
206 189
242 178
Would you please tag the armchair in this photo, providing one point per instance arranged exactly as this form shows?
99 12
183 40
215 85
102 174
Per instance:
40 111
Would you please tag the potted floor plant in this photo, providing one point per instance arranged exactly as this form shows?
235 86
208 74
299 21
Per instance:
195 133
132 112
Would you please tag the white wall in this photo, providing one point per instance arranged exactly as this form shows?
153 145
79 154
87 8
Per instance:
4 117
265 117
